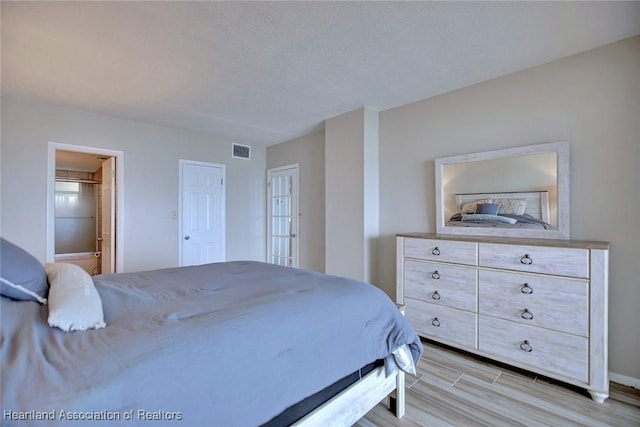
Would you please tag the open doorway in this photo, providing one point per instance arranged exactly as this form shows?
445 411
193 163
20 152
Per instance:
84 206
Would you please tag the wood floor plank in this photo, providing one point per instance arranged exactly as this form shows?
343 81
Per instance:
612 411
381 416
459 389
455 406
464 363
627 395
445 373
432 391
515 399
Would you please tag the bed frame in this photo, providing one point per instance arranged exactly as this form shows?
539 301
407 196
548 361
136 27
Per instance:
537 201
347 407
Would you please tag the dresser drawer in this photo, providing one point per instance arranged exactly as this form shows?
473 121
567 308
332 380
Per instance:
570 262
445 324
442 250
441 284
549 302
555 352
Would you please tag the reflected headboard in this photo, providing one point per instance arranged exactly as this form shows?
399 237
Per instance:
537 201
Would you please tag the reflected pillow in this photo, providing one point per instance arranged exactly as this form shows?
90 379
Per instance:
22 277
74 302
470 207
487 208
511 206
489 218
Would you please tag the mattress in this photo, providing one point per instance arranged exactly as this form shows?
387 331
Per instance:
231 344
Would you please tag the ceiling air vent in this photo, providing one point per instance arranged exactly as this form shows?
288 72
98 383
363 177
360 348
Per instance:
241 151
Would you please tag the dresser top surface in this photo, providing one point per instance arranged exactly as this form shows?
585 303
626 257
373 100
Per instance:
511 240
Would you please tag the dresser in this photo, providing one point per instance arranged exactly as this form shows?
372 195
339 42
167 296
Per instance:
540 305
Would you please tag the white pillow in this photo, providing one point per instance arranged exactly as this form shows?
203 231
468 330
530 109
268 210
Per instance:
511 206
74 302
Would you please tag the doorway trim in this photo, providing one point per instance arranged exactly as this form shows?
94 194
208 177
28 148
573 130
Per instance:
223 232
51 179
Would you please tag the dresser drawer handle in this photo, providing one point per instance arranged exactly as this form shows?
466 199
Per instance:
526 314
526 289
526 260
435 322
435 296
526 347
435 251
435 275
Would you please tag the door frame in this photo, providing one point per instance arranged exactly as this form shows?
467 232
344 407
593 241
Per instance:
223 236
108 222
296 248
51 182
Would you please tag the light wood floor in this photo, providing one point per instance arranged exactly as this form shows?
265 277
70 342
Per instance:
457 389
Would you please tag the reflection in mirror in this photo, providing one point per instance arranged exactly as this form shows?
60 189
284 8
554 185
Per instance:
517 192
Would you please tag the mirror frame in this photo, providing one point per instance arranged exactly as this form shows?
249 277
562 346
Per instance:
562 155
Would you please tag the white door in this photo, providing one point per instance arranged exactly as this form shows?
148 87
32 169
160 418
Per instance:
108 214
282 212
202 233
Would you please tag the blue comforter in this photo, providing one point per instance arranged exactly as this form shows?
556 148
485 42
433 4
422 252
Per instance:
228 344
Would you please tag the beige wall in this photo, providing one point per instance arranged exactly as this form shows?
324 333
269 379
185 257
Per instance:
344 195
352 194
591 100
151 155
308 152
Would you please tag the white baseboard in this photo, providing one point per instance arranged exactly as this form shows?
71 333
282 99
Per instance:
625 380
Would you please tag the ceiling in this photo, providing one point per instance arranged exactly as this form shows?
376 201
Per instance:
267 72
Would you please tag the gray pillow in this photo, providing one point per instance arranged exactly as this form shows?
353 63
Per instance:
487 208
22 277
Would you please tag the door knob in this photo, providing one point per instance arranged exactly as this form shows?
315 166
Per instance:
186 237
292 235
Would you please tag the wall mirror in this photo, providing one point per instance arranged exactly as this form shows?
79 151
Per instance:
514 192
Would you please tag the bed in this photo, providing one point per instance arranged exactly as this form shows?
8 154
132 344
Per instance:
516 210
227 344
